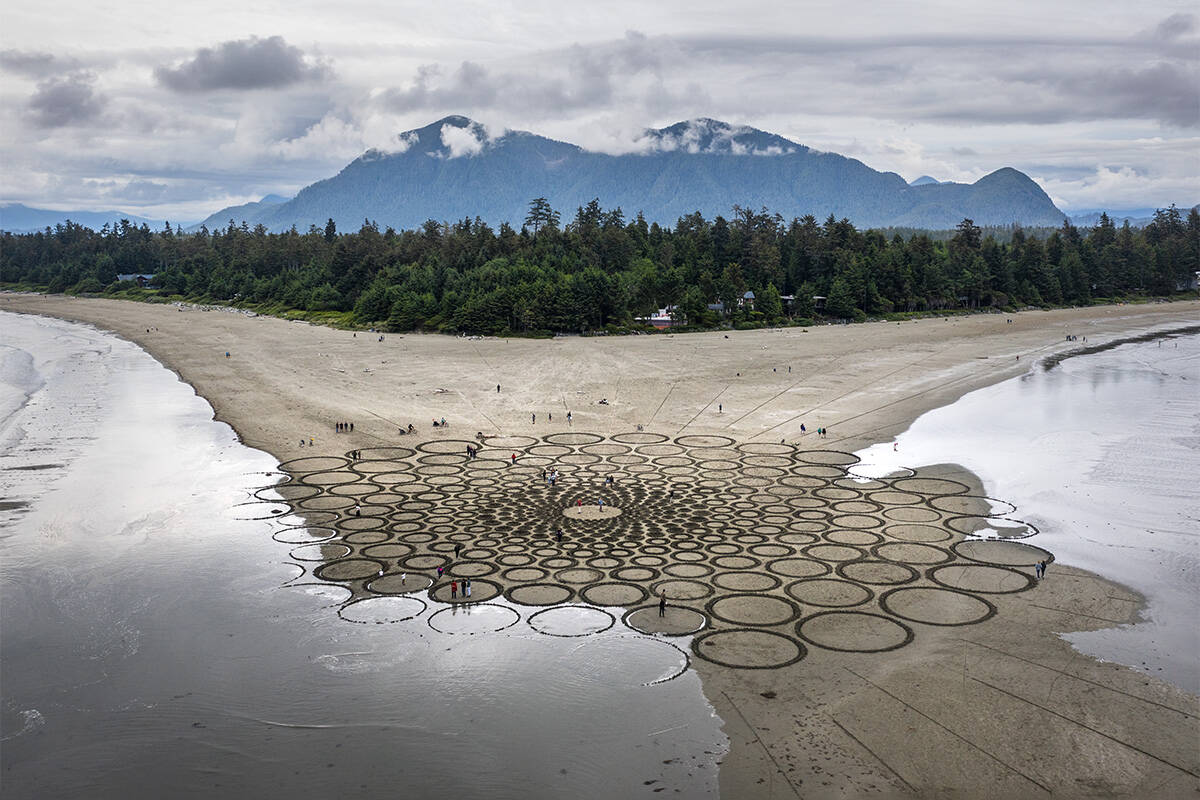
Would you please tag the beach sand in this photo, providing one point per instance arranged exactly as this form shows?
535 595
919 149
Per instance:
1003 708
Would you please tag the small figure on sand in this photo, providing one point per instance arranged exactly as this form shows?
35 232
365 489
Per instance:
497 388
453 589
568 417
533 418
662 603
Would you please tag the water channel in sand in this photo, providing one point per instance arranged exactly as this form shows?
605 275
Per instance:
155 643
1101 452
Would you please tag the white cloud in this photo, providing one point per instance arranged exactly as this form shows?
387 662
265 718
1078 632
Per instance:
465 141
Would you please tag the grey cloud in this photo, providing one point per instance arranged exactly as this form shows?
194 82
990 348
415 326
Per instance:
65 101
1175 26
579 77
34 64
252 63
1163 91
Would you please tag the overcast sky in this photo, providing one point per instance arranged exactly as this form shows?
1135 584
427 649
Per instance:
175 110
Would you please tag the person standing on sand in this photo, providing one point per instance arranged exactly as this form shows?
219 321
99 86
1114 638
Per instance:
662 603
550 416
568 417
514 458
466 587
453 589
497 388
533 418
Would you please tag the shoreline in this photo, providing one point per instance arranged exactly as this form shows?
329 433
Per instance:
861 381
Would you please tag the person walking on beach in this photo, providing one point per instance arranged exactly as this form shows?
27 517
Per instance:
720 408
662 603
533 418
453 589
466 587
550 416
497 388
457 550
558 536
514 458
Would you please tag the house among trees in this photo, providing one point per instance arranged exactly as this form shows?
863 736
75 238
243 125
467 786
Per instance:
141 279
746 301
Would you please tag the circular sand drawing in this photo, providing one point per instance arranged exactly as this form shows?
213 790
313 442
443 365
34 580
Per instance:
760 550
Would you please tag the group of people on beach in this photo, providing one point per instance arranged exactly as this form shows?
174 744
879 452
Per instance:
1039 570
343 427
549 415
455 584
440 424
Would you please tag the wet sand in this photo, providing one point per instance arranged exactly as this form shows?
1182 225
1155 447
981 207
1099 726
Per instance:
1000 709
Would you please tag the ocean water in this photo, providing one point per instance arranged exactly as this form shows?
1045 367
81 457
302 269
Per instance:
1101 452
155 642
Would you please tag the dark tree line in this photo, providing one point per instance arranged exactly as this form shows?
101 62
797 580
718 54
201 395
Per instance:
600 269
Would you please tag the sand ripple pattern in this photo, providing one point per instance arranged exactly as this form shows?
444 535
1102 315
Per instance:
764 550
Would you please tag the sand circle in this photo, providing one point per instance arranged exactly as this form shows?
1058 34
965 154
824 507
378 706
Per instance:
911 553
613 593
303 535
1002 553
325 551
676 620
578 575
571 621
539 594
747 648
400 583
745 581
348 569
381 610
752 609
853 632
591 512
924 534
682 589
981 578
471 569
829 592
936 606
472 619
798 567
885 573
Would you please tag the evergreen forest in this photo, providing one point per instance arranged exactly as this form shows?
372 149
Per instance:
599 270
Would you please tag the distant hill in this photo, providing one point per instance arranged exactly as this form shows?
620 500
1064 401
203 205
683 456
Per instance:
923 180
1136 217
451 170
18 218
246 211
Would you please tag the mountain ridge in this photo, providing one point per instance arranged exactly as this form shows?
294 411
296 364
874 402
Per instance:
452 169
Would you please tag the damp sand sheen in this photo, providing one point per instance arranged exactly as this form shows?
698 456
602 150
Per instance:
845 627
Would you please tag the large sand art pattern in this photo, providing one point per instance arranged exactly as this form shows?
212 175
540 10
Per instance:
763 550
